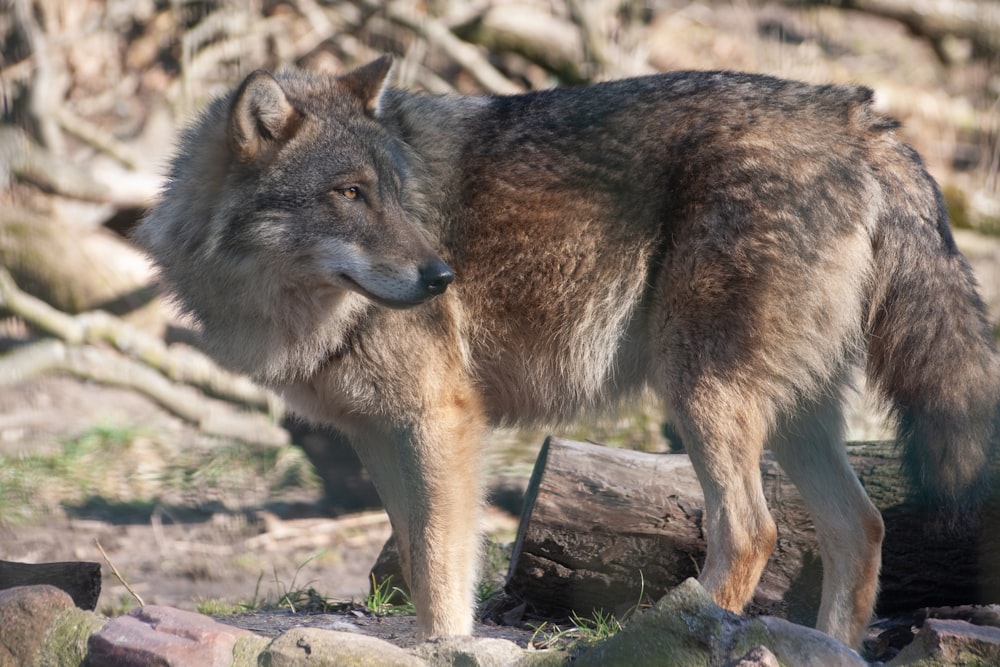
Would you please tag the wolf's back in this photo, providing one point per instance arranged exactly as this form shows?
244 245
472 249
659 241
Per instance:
931 351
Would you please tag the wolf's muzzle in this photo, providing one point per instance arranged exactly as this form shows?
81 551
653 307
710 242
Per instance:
436 276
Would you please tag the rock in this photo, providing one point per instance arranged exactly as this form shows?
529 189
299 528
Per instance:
155 635
67 640
334 649
943 642
40 626
680 630
758 656
483 652
247 650
686 628
546 658
27 614
801 646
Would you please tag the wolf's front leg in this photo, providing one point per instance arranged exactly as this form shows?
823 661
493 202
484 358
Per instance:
444 490
428 476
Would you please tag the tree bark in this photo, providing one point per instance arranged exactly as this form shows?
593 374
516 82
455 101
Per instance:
82 581
602 528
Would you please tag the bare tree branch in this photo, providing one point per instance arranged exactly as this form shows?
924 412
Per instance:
101 365
95 136
182 365
975 20
48 86
465 54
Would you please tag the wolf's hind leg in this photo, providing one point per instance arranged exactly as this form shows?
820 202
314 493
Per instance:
724 435
849 529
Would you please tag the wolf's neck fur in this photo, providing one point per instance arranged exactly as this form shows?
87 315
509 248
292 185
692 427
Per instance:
290 338
436 128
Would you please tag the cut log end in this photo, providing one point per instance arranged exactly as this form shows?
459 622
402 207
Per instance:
81 580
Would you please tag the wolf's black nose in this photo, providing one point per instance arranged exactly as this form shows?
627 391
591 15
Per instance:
436 276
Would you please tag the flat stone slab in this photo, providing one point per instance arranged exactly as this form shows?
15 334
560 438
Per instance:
155 635
942 642
312 646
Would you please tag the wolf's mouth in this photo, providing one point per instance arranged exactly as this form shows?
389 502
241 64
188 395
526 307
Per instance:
389 302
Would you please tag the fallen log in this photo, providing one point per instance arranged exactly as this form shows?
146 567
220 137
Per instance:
81 580
603 527
977 21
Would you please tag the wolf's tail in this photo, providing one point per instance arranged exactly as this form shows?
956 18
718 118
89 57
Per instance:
931 352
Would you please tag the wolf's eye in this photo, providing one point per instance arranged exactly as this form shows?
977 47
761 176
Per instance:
352 193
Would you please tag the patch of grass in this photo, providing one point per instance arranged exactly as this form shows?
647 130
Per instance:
32 484
119 606
309 601
637 426
20 483
388 600
298 600
256 602
237 468
581 633
384 600
218 607
120 472
486 590
496 562
958 205
585 632
103 440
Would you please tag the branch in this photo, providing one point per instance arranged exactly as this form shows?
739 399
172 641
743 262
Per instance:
106 367
537 34
95 136
465 54
47 88
979 22
114 571
184 365
24 158
38 313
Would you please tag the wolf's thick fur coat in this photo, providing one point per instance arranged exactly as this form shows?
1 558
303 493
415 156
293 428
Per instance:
736 242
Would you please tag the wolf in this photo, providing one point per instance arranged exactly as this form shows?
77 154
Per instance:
411 269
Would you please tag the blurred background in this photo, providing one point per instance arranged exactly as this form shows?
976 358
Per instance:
199 487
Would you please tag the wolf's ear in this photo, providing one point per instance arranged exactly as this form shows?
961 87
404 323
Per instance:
260 117
368 82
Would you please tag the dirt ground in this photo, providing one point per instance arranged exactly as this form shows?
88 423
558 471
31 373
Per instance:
179 544
211 545
400 630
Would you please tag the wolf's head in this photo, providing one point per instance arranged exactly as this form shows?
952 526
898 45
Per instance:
337 183
289 194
